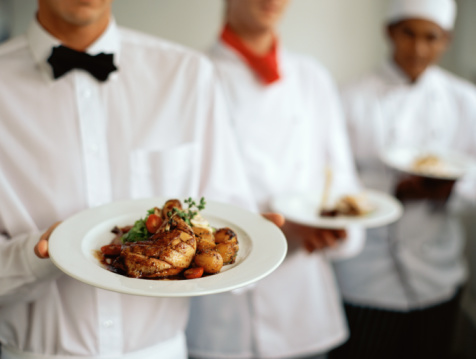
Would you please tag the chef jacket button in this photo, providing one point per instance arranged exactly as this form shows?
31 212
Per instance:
87 93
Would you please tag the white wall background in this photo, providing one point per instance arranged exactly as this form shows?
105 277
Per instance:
462 57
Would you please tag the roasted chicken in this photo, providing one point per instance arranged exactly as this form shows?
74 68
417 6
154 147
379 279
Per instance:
168 242
168 252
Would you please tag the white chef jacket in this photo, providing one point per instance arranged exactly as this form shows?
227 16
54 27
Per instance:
416 262
287 133
157 127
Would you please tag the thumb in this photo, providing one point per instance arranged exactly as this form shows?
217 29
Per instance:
276 218
41 248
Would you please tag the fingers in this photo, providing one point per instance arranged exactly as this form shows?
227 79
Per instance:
41 248
340 233
423 188
276 218
311 238
328 238
323 238
309 246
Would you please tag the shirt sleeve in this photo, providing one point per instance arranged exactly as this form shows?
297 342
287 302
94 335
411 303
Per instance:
349 247
22 273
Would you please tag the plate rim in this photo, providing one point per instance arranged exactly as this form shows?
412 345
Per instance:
253 224
469 166
340 222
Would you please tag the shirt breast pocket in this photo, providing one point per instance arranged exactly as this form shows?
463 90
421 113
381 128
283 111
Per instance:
170 172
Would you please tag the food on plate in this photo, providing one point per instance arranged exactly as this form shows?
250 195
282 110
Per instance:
349 205
429 164
226 245
210 260
205 238
171 243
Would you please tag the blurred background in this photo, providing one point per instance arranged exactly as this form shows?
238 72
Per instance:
346 36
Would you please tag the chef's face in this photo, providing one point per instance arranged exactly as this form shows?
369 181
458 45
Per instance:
417 44
75 12
255 15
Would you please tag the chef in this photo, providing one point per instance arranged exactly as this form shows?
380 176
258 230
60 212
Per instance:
91 113
288 121
401 291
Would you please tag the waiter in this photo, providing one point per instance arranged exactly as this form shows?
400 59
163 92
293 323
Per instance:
401 291
92 113
288 121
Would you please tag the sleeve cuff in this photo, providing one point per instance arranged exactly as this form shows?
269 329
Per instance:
351 247
41 269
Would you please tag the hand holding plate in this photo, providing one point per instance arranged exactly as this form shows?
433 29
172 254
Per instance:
413 187
312 238
41 248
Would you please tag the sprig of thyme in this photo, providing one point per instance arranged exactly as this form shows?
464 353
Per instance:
189 213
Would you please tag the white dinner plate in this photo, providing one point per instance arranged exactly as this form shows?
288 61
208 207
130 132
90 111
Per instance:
73 243
304 207
454 165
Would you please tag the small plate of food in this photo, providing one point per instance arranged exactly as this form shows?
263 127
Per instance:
366 209
440 164
167 248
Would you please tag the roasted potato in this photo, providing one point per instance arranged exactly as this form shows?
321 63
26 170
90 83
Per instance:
210 260
204 238
228 252
169 206
225 235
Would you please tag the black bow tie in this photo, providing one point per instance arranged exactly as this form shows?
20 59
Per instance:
64 59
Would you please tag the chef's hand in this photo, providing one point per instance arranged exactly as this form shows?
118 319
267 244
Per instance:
414 187
313 239
276 218
41 248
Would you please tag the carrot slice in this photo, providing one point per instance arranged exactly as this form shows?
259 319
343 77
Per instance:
193 273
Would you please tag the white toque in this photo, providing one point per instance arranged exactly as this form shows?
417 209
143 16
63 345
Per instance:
441 12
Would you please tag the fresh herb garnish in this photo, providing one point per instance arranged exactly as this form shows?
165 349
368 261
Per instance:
139 231
189 213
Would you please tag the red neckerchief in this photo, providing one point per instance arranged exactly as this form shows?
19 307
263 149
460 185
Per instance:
265 66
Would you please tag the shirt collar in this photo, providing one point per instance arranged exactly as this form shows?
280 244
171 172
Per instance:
41 43
396 76
266 67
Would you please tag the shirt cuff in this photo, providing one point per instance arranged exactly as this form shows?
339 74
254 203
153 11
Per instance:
41 268
350 247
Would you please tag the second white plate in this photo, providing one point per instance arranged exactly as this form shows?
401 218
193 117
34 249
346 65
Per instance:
454 165
303 208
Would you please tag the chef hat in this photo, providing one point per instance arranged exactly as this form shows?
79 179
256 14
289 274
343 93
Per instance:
441 12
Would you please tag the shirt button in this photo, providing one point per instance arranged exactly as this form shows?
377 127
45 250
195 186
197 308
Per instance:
108 323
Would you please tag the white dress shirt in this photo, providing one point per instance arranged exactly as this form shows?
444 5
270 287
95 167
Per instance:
288 132
157 127
416 262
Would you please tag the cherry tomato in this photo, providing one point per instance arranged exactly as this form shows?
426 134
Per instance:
153 223
192 273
